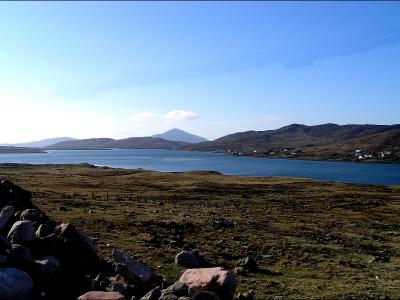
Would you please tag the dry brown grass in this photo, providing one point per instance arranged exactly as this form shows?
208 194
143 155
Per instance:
312 239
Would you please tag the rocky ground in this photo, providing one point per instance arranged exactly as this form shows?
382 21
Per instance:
282 238
41 259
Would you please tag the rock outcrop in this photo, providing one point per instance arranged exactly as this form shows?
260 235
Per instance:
40 259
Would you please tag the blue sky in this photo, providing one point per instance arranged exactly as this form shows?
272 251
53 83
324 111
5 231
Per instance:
134 68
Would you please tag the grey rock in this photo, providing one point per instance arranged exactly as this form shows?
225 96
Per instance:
5 244
6 213
44 230
178 289
154 294
48 265
131 267
186 259
21 232
21 256
168 297
73 234
15 284
31 215
202 295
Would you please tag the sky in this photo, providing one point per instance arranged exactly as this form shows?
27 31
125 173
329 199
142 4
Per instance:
124 69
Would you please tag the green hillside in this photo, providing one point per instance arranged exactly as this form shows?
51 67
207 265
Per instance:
326 141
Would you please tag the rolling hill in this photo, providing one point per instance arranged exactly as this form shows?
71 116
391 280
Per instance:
326 141
319 142
129 143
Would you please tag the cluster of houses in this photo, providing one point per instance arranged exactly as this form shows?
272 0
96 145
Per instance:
365 154
275 151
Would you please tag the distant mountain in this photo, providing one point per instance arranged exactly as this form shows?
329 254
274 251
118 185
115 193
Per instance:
180 136
41 143
129 143
326 141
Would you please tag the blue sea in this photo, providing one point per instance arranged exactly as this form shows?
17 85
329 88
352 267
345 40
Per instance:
178 161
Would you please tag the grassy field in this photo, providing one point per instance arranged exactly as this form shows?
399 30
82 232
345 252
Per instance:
312 239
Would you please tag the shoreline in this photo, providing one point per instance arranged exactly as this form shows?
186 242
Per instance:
366 161
199 172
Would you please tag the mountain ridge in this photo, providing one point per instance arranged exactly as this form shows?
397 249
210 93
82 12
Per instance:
325 141
127 143
351 142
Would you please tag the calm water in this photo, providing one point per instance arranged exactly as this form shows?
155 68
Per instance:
165 160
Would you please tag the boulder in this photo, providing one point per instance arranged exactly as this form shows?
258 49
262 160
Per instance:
202 295
21 232
75 236
15 284
168 297
131 267
44 230
154 294
21 256
31 214
48 265
178 289
215 280
6 213
186 259
99 295
5 244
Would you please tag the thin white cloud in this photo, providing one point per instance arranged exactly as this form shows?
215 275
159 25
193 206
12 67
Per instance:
181 115
171 116
139 117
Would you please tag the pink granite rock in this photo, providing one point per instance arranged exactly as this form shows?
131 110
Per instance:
214 280
97 295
